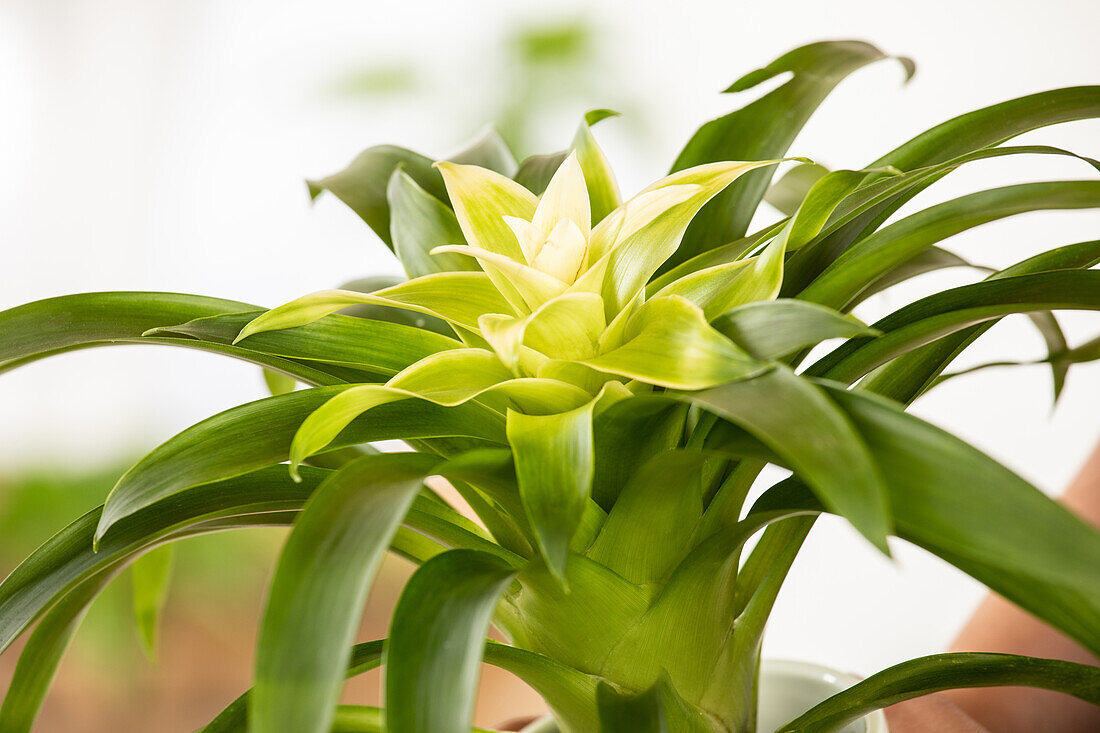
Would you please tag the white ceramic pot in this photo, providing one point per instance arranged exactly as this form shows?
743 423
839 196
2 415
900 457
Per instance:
787 689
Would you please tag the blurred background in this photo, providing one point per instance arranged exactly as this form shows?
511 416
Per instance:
162 145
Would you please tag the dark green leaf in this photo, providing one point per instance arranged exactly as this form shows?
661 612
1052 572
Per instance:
773 329
905 378
642 425
564 689
320 586
420 222
40 657
259 434
368 346
554 465
952 310
865 209
436 641
939 672
867 260
928 260
67 559
362 185
795 419
761 130
969 510
490 151
994 125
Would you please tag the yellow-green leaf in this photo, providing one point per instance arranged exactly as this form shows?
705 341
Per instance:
671 344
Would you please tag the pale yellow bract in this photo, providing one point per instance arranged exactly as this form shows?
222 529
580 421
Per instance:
558 317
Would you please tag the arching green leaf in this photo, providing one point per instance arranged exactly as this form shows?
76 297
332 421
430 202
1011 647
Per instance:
923 676
796 419
436 641
952 310
259 434
764 129
869 259
436 295
362 185
554 465
320 586
773 329
370 346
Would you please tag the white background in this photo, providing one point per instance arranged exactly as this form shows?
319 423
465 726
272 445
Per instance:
149 144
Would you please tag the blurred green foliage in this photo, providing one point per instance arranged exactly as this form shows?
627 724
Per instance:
528 75
36 503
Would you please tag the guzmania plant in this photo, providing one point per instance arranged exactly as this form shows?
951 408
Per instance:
602 382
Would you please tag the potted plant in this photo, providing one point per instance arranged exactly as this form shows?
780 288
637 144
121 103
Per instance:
602 382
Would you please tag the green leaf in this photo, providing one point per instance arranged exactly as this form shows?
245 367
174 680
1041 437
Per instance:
657 710
490 151
647 531
939 672
928 260
103 319
436 640
373 347
764 129
535 172
788 193
258 434
419 222
722 287
725 254
603 189
796 419
773 329
554 466
639 251
693 616
866 208
979 516
362 185
911 374
41 656
643 425
67 559
1060 361
76 321
544 612
993 125
448 379
866 261
388 313
431 294
571 694
952 310
278 383
674 346
320 586
152 576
